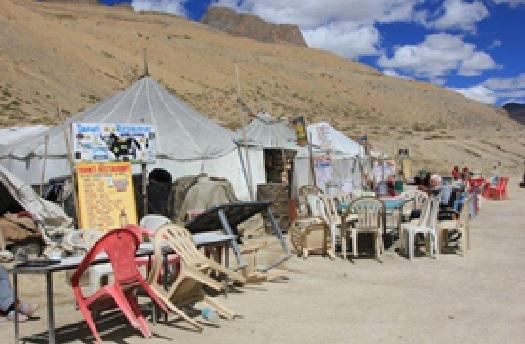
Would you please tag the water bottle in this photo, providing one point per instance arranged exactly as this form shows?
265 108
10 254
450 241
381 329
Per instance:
210 315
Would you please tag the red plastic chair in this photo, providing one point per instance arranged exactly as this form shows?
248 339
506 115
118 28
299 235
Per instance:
500 191
475 183
120 245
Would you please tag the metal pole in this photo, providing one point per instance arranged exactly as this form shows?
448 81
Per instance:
244 134
71 161
15 297
50 310
311 158
46 145
145 202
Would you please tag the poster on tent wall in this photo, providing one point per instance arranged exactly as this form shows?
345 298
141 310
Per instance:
323 170
324 137
105 195
106 142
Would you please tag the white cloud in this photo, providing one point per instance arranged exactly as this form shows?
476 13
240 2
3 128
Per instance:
437 56
496 44
345 27
169 6
512 3
345 39
498 90
479 93
502 84
314 13
458 14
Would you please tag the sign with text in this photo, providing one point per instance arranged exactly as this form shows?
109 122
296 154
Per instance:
99 142
300 131
105 195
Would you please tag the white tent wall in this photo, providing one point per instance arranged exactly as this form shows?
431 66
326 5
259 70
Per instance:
228 166
257 168
344 170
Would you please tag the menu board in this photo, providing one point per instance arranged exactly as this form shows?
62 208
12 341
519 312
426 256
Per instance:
114 142
105 195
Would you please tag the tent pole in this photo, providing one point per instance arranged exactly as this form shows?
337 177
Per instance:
46 145
145 206
246 179
244 134
71 162
311 158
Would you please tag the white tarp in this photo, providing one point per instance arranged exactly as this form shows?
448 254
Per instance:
17 134
41 210
188 143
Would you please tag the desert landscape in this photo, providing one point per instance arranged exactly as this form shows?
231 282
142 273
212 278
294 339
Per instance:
74 55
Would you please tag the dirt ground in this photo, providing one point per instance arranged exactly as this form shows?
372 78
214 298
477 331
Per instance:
474 299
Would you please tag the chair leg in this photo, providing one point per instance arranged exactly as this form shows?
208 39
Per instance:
122 303
410 248
354 243
144 328
89 319
344 240
221 309
178 311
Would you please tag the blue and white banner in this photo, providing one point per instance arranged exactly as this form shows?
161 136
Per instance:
106 142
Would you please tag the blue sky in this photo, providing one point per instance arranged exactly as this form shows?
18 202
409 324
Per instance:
474 47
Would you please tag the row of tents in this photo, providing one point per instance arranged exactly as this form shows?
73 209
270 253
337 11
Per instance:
188 143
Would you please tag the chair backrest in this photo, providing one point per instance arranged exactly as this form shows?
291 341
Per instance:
369 212
418 198
154 221
306 190
120 245
314 205
425 212
431 221
181 241
464 215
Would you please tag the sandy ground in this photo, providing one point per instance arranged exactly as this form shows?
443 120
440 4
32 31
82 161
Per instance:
475 299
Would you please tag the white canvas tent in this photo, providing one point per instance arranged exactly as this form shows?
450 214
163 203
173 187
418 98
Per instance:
345 154
187 142
17 134
264 132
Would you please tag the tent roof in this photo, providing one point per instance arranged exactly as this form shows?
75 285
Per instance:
182 132
16 134
267 132
324 136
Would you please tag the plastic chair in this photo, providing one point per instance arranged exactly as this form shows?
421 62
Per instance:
120 245
369 214
426 226
461 225
499 192
194 275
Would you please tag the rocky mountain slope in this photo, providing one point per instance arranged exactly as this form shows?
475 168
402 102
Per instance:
73 55
251 26
516 111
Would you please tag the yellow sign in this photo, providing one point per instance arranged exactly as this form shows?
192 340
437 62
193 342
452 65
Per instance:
105 195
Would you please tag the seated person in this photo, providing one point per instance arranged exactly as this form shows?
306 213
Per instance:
7 303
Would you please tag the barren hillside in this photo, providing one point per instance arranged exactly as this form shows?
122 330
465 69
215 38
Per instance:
72 55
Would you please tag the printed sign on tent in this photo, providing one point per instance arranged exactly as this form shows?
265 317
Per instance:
300 131
114 142
324 136
105 195
323 169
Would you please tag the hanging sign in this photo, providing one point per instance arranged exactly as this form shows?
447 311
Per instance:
323 169
105 195
98 142
324 136
300 131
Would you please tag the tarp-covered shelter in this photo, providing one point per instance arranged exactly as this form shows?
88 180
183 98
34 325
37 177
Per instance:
17 134
188 143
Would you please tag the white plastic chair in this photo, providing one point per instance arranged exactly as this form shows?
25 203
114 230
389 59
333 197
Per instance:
153 222
427 225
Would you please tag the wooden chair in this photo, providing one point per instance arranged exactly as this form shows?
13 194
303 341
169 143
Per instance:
187 288
369 215
461 225
311 235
